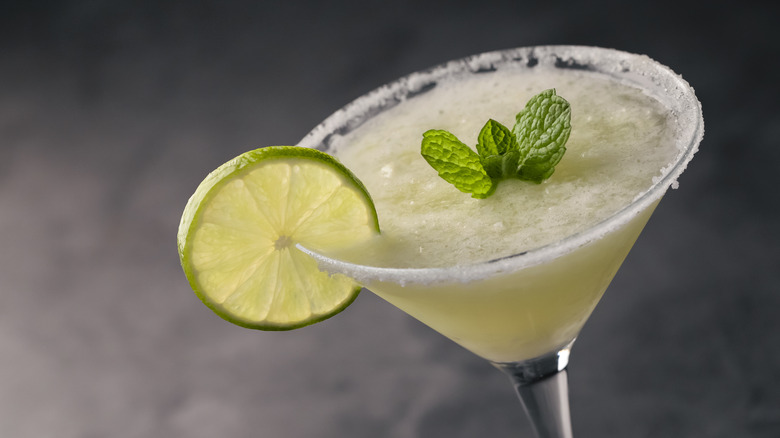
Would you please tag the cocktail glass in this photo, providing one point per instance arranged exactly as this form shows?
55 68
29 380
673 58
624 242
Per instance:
523 312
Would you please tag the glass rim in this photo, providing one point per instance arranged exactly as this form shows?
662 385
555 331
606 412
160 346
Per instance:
640 71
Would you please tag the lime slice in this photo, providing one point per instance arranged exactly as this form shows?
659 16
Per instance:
238 234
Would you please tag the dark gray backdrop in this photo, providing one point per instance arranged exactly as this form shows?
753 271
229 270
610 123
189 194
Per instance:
112 112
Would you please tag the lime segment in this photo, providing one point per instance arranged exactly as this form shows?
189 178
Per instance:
238 234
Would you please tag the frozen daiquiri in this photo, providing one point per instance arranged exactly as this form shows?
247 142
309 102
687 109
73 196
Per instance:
508 188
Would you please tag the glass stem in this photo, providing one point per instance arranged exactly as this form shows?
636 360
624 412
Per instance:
541 383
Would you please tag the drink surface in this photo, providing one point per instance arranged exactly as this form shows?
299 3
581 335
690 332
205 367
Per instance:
617 146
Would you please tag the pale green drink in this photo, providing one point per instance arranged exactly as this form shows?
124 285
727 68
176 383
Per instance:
620 143
514 277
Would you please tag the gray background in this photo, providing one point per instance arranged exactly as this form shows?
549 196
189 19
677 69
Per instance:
112 112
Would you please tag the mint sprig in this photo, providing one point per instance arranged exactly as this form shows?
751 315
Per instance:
530 151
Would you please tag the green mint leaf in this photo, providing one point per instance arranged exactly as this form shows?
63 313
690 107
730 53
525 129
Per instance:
494 142
495 139
456 163
542 129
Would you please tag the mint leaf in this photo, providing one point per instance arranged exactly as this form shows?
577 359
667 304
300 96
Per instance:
542 129
495 141
456 163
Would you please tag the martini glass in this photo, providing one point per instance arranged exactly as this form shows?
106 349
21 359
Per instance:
523 312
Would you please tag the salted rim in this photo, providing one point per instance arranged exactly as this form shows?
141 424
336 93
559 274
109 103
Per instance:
653 78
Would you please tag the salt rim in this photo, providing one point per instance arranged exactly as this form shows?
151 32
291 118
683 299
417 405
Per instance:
640 71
